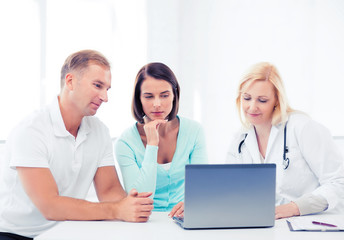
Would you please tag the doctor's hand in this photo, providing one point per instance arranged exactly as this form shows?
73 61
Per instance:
177 211
151 129
136 207
287 210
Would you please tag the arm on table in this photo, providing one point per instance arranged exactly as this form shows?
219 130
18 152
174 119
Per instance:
107 185
327 165
41 187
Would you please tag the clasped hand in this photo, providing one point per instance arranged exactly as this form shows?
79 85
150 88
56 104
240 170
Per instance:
136 207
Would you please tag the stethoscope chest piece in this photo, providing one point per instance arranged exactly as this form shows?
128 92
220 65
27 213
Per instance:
285 163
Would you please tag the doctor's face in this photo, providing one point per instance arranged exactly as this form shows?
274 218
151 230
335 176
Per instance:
258 101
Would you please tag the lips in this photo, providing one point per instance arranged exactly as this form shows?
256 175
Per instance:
253 114
157 113
95 104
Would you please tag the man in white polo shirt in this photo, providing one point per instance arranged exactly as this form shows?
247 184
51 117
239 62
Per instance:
52 157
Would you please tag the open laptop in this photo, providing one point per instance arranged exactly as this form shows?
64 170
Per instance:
229 196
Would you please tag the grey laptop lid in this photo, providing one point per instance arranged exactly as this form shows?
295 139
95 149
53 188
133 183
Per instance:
229 195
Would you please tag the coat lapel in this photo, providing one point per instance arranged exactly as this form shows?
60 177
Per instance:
252 145
272 137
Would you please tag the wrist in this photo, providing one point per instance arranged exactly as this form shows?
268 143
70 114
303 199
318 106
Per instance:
153 143
110 210
296 211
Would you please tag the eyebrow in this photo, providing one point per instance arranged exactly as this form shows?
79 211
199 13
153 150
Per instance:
258 96
167 91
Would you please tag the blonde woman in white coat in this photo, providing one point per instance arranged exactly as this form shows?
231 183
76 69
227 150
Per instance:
310 174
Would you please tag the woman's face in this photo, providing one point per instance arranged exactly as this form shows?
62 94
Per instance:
156 98
258 102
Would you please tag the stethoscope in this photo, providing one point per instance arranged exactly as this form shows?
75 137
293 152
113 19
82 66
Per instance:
286 160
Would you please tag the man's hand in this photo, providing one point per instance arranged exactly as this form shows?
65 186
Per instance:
136 207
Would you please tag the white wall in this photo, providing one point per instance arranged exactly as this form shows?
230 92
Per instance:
215 41
207 43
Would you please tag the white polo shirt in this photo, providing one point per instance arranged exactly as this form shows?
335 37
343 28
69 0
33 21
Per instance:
41 140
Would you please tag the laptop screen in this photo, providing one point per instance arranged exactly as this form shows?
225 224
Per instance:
229 195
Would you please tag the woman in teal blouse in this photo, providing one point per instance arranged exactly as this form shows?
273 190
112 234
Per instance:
153 153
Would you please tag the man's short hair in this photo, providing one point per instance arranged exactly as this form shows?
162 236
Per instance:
79 61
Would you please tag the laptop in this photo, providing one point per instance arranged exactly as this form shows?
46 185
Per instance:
229 196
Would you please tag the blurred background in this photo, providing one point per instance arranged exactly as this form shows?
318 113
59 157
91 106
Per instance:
208 44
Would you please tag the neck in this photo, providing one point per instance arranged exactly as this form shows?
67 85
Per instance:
262 130
262 134
70 116
164 129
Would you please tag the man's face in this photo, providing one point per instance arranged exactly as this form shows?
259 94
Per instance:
90 89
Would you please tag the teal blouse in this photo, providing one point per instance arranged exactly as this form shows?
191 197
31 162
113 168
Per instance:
141 171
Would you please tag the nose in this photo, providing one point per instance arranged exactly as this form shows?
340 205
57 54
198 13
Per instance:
253 105
157 102
104 96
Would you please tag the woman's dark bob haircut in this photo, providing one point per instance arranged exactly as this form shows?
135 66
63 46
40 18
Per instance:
157 71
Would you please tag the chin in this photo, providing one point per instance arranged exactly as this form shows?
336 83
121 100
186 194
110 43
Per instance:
254 121
91 113
158 118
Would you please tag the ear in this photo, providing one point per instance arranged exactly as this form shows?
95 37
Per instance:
69 81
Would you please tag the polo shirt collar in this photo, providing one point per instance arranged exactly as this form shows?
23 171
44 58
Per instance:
58 124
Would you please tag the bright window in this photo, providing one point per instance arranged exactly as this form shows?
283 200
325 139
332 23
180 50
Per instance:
39 35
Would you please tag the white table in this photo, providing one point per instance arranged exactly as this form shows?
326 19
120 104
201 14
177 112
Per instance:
161 227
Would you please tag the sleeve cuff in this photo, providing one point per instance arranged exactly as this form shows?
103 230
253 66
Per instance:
310 203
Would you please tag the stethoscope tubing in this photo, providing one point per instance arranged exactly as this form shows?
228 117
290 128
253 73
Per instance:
286 160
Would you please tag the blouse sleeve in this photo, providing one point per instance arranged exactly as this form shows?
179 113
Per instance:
199 153
141 176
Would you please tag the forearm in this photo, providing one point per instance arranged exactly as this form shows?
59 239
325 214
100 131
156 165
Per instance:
61 208
143 179
136 207
112 195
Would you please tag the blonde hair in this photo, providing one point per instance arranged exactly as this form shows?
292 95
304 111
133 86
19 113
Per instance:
265 71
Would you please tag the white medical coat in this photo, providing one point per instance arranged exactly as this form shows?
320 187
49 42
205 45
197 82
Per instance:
316 164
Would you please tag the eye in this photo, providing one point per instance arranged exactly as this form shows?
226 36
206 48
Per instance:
263 100
165 96
246 98
97 85
147 97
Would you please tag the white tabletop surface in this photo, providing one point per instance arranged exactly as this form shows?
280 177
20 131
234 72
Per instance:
161 227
